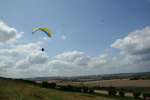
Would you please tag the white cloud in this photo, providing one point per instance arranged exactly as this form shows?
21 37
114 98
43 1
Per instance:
24 58
8 34
98 61
73 57
63 37
27 60
137 42
135 51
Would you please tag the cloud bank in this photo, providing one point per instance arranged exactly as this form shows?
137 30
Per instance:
136 45
27 60
8 34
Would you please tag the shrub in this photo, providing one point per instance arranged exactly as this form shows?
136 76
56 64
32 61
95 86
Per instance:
121 93
112 92
45 84
62 87
91 90
77 89
69 88
52 85
85 89
146 95
136 94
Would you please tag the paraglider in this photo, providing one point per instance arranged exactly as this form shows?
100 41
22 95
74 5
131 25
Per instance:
42 49
44 30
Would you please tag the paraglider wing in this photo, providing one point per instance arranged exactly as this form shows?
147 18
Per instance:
45 30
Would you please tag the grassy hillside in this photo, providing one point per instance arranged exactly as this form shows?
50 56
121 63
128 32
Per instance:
14 90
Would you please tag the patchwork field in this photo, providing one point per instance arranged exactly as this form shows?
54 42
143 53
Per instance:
111 83
12 90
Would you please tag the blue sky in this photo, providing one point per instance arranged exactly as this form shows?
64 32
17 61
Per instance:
96 31
89 25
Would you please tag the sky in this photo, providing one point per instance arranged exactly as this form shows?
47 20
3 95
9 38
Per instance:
89 37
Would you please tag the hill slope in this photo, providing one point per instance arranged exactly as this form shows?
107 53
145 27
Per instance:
14 90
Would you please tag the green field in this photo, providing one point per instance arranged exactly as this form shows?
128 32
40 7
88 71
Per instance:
14 90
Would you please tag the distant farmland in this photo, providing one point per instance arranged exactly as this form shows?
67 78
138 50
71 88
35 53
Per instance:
111 83
120 83
116 80
15 90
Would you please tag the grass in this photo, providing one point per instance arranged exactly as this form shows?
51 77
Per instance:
12 90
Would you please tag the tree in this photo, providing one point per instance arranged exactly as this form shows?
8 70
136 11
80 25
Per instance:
52 85
112 91
45 84
121 93
136 94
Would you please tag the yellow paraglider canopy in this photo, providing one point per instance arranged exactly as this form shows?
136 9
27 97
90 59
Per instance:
45 30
